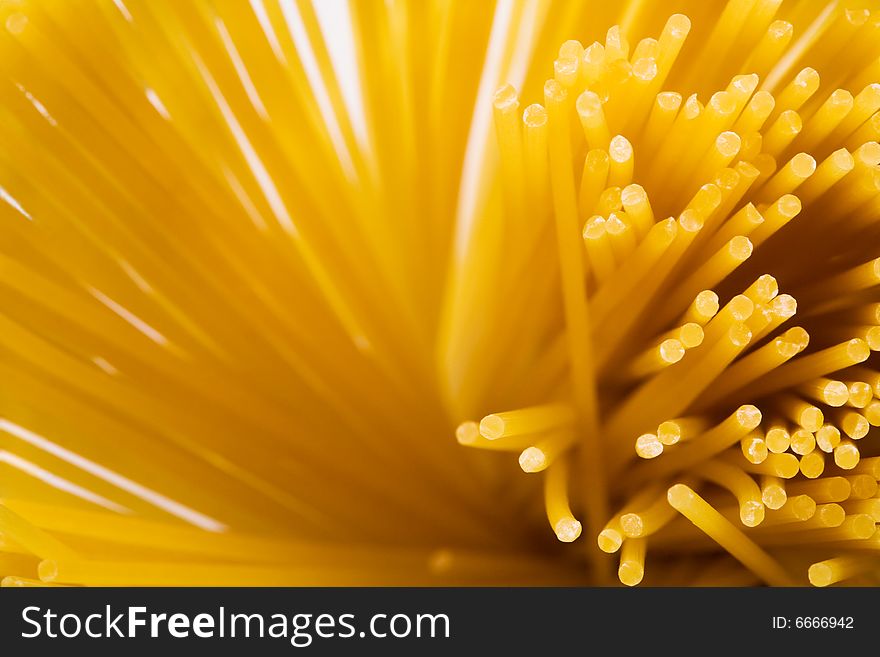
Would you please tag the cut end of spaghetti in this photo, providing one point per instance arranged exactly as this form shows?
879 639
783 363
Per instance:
533 459
632 524
748 416
630 573
492 427
609 540
751 513
648 446
467 433
820 574
567 530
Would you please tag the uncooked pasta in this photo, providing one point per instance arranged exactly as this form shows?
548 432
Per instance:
514 292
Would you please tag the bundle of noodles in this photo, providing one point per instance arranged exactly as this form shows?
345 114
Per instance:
245 303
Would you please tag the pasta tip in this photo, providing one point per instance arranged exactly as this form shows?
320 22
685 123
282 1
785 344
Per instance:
567 530
236 277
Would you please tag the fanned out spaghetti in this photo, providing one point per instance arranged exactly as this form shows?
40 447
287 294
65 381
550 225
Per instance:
249 292
765 186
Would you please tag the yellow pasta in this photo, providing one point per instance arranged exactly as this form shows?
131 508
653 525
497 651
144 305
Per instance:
773 492
526 421
707 519
812 464
565 526
305 299
797 508
827 438
863 486
754 448
834 570
632 561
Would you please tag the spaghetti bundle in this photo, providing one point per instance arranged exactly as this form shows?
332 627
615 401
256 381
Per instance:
260 265
676 407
